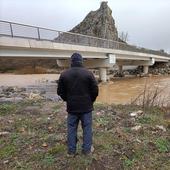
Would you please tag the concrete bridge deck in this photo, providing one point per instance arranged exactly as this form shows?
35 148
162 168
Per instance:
99 53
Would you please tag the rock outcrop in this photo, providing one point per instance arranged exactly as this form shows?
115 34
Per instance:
99 23
160 68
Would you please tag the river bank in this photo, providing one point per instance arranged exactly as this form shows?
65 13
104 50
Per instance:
33 135
40 66
33 126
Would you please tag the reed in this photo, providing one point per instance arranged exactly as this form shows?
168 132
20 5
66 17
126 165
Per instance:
153 95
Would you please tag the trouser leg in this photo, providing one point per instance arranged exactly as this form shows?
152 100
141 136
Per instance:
72 124
86 122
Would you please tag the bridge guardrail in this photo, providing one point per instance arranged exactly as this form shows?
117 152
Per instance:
26 31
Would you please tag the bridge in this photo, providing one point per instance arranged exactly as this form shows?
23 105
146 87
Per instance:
25 41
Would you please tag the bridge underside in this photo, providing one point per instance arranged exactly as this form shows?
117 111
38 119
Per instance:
101 58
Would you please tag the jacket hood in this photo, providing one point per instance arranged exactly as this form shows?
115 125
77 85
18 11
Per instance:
76 60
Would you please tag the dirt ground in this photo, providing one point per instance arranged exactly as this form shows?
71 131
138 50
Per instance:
33 135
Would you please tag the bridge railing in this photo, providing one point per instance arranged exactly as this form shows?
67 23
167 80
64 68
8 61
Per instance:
26 31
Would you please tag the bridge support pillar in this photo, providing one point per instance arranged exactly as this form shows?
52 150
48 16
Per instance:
120 69
103 74
145 69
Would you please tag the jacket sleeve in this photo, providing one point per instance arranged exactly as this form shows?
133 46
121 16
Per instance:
94 90
61 90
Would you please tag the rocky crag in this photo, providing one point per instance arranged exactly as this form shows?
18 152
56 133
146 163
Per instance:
99 23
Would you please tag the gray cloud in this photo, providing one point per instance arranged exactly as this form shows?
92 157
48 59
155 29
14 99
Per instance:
147 22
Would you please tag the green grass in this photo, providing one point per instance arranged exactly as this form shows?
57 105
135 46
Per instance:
114 142
102 121
7 109
104 142
152 119
163 145
127 129
14 137
145 120
48 160
38 156
56 108
7 70
1 141
57 149
98 105
137 156
7 151
80 163
128 163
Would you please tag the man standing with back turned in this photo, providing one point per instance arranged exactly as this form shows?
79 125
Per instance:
78 87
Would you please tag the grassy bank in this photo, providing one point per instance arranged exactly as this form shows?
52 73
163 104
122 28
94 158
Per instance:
33 136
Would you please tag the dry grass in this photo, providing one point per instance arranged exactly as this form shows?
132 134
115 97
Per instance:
153 95
31 70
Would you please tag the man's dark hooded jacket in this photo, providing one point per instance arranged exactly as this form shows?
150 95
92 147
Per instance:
78 87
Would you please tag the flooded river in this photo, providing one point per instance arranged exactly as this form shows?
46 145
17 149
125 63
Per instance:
120 91
126 90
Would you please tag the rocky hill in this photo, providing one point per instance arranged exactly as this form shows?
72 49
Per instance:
99 23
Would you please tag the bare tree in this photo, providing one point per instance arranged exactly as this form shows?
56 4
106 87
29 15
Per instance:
124 36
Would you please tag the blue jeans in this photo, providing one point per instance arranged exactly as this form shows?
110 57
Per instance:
72 125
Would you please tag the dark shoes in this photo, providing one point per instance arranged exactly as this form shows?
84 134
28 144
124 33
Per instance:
86 153
71 154
89 152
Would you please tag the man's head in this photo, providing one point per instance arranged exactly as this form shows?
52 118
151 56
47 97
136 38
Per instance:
76 59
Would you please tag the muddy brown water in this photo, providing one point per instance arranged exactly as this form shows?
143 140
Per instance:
126 90
120 91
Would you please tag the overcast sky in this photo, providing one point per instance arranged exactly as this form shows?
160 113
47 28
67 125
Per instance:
146 21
